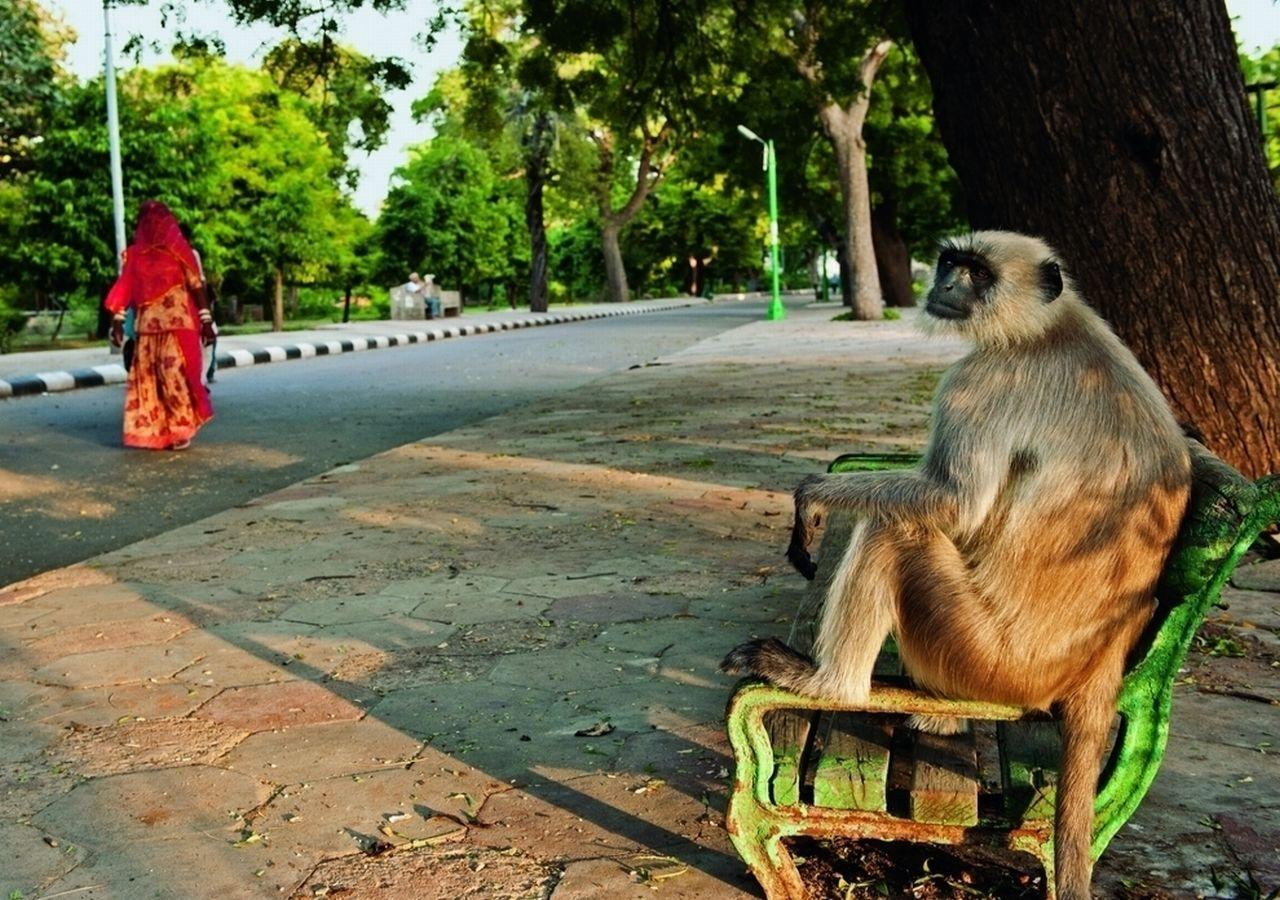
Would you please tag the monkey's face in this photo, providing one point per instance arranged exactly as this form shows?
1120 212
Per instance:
994 287
964 280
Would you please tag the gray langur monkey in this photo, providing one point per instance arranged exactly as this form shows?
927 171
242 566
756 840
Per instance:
1018 562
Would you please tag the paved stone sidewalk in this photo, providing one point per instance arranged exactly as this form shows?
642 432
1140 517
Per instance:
483 665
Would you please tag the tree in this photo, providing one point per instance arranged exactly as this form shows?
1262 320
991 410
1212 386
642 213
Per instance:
345 90
235 157
697 228
1265 69
915 195
1120 132
32 47
450 214
508 96
838 50
639 73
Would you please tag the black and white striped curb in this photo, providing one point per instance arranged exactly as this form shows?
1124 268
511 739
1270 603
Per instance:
114 373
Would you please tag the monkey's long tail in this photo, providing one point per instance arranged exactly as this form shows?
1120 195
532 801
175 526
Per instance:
1085 723
773 661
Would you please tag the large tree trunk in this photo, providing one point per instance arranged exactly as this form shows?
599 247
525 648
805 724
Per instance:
614 220
843 128
893 259
277 302
536 176
614 272
1125 139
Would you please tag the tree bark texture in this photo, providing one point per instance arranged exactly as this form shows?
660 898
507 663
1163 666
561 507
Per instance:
614 220
277 302
1119 130
893 259
539 147
615 273
843 128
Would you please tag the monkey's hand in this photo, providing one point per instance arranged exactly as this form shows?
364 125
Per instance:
808 517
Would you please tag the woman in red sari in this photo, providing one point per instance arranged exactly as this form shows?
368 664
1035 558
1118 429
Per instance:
165 404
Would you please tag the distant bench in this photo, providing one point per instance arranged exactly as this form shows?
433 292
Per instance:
406 305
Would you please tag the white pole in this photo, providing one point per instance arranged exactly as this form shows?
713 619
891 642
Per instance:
113 138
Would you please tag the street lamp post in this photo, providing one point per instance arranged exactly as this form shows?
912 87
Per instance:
113 136
776 310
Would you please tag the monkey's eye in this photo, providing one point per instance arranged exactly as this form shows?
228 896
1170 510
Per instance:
945 261
979 275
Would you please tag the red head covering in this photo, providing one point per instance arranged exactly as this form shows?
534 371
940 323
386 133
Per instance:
159 230
158 260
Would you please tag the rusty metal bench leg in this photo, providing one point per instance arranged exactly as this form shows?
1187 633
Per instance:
758 841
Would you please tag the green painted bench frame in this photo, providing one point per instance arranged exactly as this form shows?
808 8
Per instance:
1225 516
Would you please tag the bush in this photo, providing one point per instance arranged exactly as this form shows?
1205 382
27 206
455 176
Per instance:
12 320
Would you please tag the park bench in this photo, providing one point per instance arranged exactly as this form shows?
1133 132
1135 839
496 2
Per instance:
405 305
807 767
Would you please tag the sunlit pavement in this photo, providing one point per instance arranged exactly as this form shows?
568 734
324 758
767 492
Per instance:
485 664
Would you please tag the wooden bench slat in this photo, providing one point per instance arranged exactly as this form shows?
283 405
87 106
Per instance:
944 779
853 768
990 775
1029 759
789 734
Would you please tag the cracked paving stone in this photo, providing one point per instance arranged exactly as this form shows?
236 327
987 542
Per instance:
27 861
71 577
347 609
270 706
111 705
686 874
107 667
570 670
557 587
155 629
24 741
434 873
482 609
758 603
447 586
1263 576
616 607
220 663
506 730
181 868
432 800
591 816
313 752
114 812
73 607
137 746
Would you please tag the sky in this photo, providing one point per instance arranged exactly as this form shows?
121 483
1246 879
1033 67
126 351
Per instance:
1257 24
393 34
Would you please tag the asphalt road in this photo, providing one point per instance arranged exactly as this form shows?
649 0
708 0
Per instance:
69 490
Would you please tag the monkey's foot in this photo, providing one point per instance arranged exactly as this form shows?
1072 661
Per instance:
769 659
938 724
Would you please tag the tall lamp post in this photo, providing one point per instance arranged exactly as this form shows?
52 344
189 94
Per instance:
776 310
113 135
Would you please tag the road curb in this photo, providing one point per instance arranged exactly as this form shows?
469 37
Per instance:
114 373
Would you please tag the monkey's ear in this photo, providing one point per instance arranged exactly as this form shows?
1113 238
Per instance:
1050 280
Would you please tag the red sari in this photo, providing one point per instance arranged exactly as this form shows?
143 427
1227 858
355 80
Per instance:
165 403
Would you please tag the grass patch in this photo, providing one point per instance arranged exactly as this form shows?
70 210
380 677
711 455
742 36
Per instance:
890 313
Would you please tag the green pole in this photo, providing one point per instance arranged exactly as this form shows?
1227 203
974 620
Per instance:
776 310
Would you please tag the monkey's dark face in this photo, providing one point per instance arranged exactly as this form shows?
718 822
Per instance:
964 281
